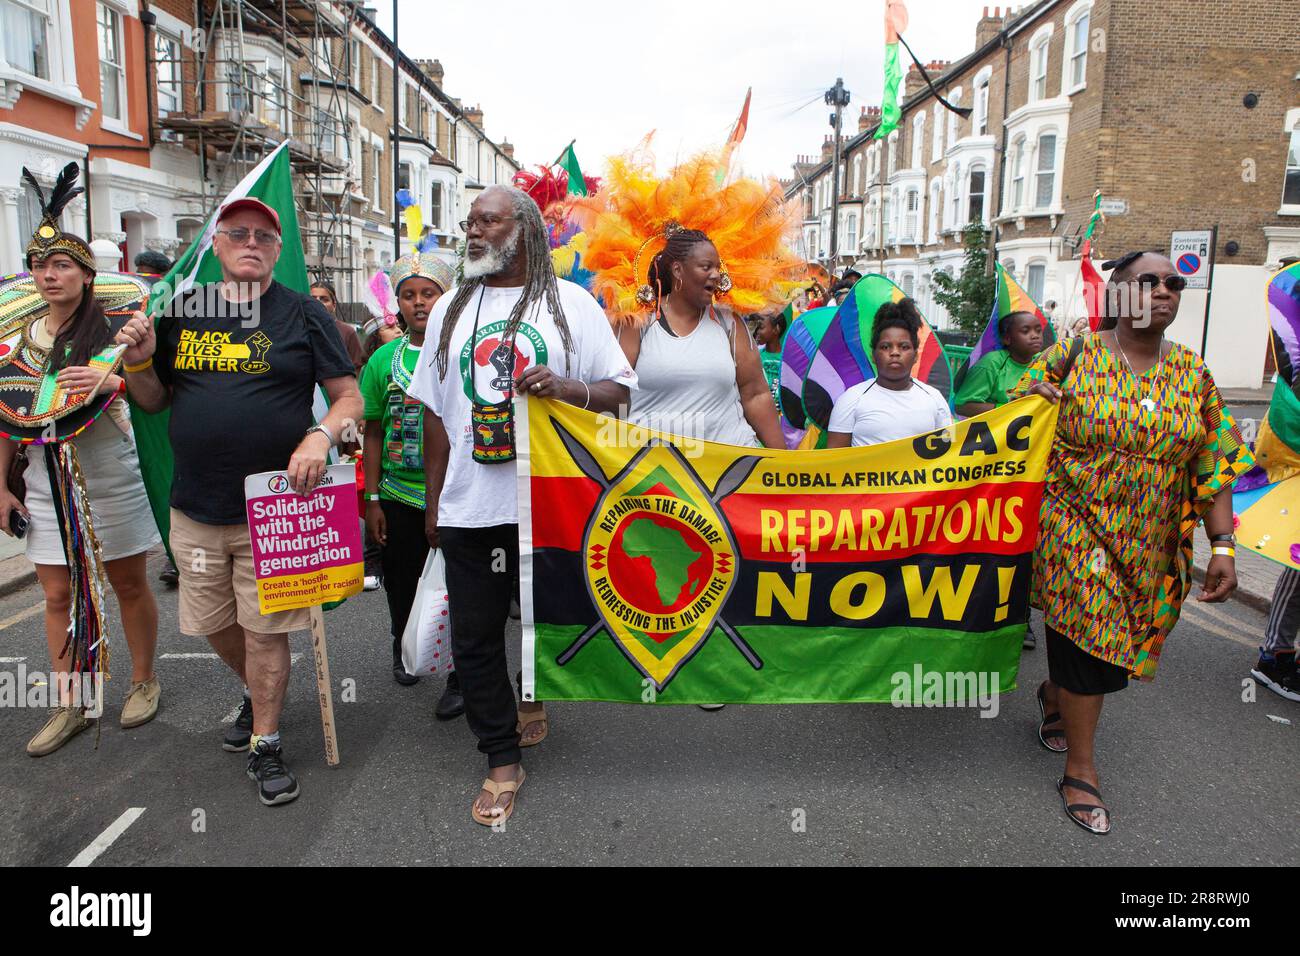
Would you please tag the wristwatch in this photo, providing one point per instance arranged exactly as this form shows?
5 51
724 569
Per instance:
323 430
1224 538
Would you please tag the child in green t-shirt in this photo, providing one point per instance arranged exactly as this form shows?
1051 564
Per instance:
986 384
393 448
769 334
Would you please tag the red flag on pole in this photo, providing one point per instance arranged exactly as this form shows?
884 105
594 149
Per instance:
742 124
1094 287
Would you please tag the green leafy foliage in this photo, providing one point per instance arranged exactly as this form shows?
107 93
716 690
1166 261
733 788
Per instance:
968 296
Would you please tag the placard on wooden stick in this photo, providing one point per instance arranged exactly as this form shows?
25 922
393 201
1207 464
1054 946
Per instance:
306 553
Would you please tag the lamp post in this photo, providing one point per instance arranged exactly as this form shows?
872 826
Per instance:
838 97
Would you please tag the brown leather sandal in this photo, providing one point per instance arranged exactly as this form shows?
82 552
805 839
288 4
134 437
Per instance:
537 716
496 789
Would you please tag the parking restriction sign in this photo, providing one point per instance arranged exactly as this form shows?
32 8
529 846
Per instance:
1190 252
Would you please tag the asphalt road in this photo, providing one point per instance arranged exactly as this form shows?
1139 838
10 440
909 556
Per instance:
1193 775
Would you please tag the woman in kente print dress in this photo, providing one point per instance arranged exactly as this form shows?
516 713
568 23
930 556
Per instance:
1144 449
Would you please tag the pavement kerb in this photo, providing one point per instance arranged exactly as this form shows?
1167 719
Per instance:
16 573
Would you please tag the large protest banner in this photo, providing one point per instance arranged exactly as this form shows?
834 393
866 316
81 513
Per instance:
667 570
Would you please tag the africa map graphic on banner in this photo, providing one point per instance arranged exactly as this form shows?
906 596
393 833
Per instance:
690 572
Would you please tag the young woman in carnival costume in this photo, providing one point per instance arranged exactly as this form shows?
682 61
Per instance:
74 489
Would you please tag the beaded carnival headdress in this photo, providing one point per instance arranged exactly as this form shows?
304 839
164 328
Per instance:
423 264
49 237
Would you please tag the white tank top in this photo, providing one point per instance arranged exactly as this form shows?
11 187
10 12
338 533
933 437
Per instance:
686 385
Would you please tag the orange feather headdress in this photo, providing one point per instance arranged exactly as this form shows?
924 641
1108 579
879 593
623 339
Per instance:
627 223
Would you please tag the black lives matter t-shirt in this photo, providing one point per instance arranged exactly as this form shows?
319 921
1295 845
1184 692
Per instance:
243 377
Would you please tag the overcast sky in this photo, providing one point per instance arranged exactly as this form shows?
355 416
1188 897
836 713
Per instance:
607 74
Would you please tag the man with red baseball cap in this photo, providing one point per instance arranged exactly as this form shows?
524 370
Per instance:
248 202
238 362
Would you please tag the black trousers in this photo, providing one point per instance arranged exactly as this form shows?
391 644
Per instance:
403 562
482 564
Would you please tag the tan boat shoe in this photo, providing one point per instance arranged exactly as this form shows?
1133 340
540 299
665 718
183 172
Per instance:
64 724
141 703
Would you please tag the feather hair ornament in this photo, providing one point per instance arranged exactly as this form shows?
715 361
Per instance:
378 298
49 238
414 218
547 187
627 222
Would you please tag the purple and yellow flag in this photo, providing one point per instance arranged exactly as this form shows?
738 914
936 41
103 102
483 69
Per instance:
1011 297
843 357
797 351
656 569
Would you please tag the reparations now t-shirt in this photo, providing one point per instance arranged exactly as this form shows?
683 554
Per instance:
243 377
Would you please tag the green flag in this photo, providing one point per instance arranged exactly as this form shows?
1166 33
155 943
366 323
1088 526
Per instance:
271 182
577 182
889 111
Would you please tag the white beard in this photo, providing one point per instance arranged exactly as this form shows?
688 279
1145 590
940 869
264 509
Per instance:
495 260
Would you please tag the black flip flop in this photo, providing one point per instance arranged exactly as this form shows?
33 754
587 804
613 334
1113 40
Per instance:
1071 808
1048 719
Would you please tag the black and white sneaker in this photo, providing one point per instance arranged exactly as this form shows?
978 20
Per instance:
1031 640
275 782
240 732
1280 675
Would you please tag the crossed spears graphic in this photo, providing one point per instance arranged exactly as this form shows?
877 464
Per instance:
731 479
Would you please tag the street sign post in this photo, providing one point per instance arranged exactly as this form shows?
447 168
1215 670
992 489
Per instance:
1192 253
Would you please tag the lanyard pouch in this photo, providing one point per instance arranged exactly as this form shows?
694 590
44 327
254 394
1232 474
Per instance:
493 424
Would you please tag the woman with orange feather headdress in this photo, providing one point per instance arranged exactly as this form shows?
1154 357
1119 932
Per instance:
628 223
677 263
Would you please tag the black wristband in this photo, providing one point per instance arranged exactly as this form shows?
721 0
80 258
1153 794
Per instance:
1231 539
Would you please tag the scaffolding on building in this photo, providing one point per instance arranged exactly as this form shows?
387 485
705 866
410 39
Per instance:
260 72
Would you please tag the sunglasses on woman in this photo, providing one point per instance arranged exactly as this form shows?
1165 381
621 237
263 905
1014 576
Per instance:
1149 280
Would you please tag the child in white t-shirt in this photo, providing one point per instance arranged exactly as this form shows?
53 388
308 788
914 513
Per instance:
893 405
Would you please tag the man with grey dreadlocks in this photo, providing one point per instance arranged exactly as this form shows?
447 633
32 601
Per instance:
510 328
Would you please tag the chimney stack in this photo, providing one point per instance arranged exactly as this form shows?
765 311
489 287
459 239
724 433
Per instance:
828 147
507 147
913 81
432 69
475 115
870 117
989 26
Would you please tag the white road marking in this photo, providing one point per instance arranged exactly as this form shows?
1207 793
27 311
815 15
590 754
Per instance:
22 615
12 660
1205 618
105 840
